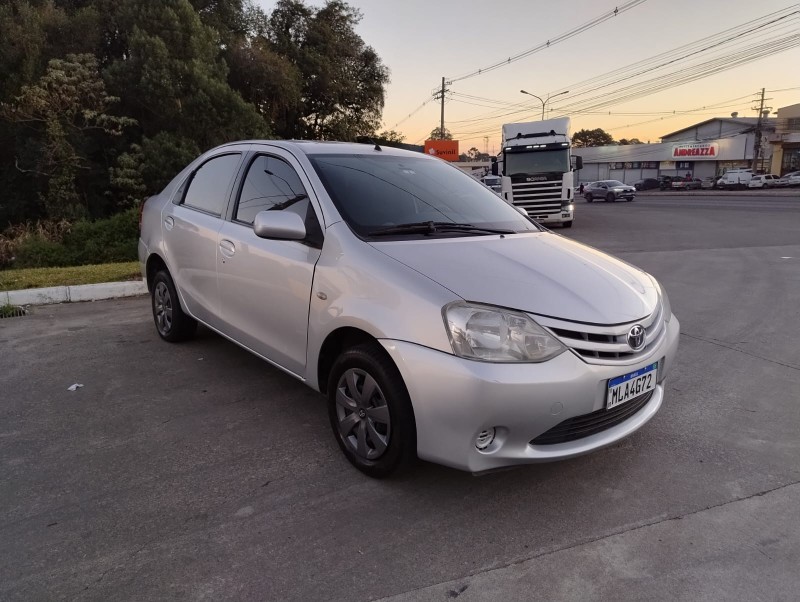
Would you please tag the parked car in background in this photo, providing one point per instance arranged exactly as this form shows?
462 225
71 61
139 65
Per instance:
646 184
709 182
609 190
690 184
735 178
790 179
493 182
327 261
763 181
665 182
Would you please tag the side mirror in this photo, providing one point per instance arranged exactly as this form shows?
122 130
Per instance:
281 225
577 163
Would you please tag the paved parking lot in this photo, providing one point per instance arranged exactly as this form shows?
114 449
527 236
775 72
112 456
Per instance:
196 471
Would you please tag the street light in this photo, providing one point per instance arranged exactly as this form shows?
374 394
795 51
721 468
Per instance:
545 101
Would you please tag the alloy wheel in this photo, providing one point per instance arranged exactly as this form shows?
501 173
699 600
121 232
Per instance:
163 308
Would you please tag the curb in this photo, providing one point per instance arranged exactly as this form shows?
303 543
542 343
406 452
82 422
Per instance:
70 294
722 193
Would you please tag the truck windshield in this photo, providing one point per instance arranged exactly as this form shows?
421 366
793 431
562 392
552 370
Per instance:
535 162
389 193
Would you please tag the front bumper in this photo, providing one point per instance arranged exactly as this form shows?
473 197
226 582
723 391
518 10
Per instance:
565 215
454 399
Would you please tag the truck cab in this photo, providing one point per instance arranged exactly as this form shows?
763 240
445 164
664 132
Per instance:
537 170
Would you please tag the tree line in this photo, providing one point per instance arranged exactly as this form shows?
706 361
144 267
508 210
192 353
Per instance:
103 101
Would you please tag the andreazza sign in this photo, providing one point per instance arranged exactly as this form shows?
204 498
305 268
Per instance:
696 149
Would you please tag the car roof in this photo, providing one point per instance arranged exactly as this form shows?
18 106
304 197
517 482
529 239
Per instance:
327 147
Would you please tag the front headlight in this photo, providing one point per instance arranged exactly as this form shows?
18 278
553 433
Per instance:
492 334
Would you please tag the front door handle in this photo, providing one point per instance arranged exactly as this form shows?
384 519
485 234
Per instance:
227 248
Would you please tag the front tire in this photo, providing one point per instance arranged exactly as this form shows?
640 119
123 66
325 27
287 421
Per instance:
610 197
172 323
567 224
370 411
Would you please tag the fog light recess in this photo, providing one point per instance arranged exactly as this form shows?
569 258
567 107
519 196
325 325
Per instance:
485 438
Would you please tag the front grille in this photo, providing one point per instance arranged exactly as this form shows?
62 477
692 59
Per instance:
607 344
538 198
579 427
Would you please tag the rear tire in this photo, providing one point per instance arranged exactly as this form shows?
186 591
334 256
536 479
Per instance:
370 411
172 323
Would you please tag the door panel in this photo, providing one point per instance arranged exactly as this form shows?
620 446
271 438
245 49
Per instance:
191 245
265 288
191 225
264 284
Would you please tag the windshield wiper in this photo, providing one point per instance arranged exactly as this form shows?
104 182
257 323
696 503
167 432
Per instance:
434 227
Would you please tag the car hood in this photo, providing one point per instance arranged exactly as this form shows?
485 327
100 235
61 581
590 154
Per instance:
540 273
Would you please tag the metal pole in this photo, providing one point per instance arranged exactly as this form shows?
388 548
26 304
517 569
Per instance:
441 126
757 141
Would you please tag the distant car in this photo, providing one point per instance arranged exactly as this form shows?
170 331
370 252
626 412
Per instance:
691 184
709 182
665 182
646 184
609 190
789 179
493 182
735 178
763 181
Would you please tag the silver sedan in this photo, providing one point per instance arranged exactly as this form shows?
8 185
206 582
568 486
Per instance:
438 321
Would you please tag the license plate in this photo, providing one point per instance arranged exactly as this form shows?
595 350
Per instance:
626 387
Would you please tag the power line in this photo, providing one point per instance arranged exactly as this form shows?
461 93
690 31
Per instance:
734 58
775 21
552 41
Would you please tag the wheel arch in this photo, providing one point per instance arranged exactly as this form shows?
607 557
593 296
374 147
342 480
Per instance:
337 341
155 263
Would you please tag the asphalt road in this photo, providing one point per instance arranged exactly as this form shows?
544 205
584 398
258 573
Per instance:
197 472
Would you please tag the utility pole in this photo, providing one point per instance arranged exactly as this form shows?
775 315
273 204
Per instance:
757 141
441 94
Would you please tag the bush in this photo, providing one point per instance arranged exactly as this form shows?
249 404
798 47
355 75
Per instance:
38 252
109 240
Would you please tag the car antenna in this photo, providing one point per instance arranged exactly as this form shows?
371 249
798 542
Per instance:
363 139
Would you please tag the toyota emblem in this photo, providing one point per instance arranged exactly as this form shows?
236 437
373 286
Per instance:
636 337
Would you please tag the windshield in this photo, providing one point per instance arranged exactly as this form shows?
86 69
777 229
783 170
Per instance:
535 162
374 193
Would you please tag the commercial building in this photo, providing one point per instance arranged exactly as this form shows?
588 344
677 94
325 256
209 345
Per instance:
785 141
706 149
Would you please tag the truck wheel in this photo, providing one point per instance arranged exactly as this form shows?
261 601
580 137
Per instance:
610 197
567 224
370 411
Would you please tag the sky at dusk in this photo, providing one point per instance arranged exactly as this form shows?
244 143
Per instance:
421 41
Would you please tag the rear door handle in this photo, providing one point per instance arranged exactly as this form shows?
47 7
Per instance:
227 248
169 222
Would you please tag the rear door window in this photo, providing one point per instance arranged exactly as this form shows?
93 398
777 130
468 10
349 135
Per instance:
210 186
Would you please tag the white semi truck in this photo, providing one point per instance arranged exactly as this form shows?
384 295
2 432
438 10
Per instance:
536 166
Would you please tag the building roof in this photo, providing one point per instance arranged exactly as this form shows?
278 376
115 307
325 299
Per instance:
744 121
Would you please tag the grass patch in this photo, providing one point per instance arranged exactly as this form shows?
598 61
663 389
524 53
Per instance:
17 279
